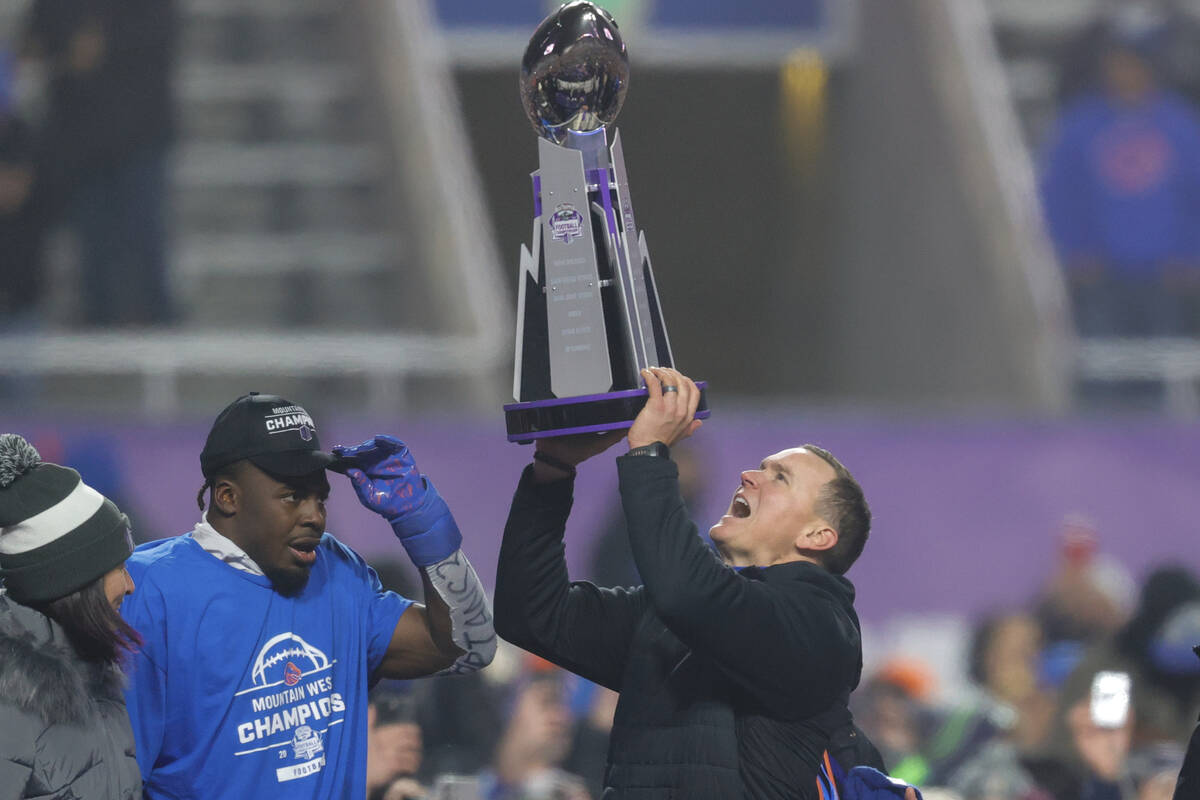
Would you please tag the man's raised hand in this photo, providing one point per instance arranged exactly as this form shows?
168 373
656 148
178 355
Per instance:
570 451
670 411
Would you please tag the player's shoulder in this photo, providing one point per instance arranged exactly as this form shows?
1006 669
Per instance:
164 576
338 553
160 556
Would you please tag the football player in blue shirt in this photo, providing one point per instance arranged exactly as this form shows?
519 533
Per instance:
262 632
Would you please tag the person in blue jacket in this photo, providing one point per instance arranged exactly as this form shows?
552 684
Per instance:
1121 190
262 633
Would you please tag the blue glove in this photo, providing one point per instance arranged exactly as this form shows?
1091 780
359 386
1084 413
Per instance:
387 481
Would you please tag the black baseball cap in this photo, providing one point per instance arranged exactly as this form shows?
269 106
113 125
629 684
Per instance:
276 435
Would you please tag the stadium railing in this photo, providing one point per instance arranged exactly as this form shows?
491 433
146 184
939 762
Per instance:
1175 362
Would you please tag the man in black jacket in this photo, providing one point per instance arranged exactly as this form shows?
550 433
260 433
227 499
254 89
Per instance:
733 676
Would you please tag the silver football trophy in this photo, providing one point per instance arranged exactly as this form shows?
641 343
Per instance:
588 314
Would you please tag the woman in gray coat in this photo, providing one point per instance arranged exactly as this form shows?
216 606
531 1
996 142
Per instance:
64 732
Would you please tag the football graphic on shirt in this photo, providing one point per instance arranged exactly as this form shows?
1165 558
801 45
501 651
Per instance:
305 743
285 659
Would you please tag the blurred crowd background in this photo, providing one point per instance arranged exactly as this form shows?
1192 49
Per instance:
955 241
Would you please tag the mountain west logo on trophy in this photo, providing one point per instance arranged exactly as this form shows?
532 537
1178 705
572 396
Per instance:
289 706
566 224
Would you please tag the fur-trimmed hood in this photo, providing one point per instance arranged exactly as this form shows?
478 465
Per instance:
40 673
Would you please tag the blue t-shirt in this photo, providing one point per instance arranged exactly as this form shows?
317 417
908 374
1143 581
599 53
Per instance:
239 691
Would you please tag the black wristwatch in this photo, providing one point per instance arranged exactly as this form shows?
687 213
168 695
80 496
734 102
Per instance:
656 449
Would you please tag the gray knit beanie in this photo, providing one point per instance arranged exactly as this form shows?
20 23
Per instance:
57 534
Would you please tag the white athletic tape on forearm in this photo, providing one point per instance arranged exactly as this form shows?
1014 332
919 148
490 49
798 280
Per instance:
471 627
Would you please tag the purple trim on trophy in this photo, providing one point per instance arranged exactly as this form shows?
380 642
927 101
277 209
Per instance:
554 416
607 426
587 398
601 178
537 195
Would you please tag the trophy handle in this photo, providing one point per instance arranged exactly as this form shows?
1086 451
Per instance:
659 325
648 331
531 375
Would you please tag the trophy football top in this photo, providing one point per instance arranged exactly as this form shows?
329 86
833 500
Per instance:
575 71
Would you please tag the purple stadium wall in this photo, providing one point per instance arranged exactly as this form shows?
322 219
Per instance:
966 513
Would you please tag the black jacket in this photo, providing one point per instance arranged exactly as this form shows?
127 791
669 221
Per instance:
1188 783
64 731
731 683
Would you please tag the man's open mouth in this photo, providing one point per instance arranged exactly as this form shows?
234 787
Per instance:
740 507
305 551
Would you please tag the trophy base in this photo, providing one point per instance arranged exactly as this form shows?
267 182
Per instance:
593 413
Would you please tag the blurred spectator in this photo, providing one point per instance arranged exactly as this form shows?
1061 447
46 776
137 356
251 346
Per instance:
1088 596
526 765
393 747
1004 662
1121 187
504 733
1153 770
589 747
1103 750
1088 756
1154 648
997 773
1157 642
20 252
977 749
106 136
891 708
461 720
